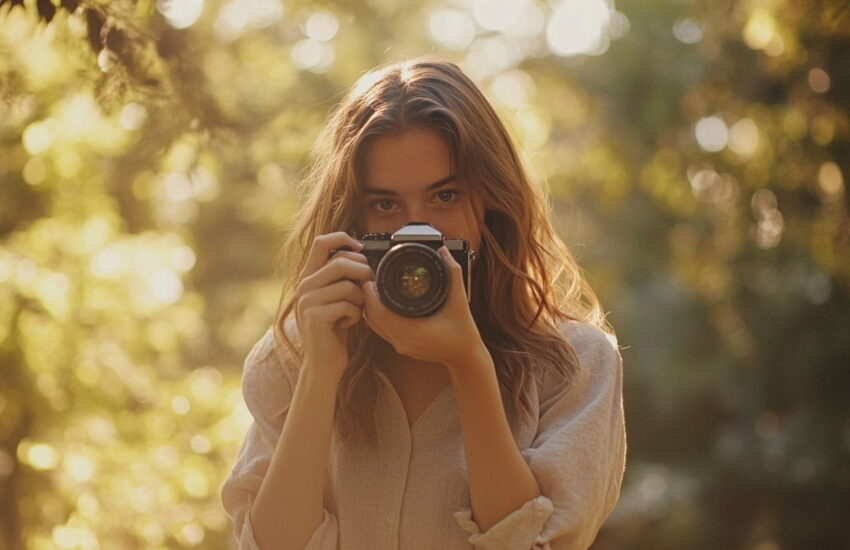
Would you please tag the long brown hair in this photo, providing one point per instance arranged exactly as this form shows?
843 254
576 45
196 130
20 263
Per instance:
522 260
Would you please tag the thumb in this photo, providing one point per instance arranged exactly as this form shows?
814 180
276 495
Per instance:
454 267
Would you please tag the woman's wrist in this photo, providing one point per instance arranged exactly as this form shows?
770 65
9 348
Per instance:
473 361
320 376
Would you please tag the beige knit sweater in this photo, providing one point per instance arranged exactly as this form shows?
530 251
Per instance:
413 492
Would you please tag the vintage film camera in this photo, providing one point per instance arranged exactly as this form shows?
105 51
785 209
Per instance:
411 277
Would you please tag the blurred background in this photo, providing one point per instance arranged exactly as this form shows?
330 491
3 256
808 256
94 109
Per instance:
697 153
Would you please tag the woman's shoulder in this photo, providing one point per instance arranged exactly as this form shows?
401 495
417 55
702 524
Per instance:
596 353
269 372
588 340
270 348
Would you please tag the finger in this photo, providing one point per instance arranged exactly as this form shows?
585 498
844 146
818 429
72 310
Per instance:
455 269
345 289
347 323
370 295
323 244
372 308
356 256
329 314
444 252
336 269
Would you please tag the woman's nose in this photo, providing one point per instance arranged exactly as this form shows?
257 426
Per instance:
417 213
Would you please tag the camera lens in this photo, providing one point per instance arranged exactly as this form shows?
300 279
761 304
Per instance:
412 279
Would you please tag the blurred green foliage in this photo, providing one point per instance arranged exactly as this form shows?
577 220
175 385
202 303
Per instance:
697 154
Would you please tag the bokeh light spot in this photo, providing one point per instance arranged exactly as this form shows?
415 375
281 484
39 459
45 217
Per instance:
180 14
687 31
452 29
321 26
819 80
711 133
578 27
744 137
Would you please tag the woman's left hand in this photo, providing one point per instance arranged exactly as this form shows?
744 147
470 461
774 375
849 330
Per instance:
449 336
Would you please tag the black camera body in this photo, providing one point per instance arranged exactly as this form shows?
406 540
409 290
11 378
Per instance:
411 277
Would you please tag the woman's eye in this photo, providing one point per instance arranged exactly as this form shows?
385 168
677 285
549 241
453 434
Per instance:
382 204
447 196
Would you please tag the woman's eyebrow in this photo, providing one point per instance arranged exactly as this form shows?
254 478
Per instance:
378 191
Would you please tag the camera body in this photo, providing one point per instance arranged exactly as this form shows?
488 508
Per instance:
411 277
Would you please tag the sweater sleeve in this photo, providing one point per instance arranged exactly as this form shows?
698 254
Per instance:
267 392
577 456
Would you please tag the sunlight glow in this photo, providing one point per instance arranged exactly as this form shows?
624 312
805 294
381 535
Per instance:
74 536
514 88
39 136
132 116
182 258
79 467
452 29
321 26
496 15
35 171
41 456
530 23
711 133
830 182
761 33
237 15
744 137
180 404
819 80
312 55
579 27
165 286
180 14
687 31
768 231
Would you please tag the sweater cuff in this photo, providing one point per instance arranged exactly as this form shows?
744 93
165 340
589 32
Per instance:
324 537
516 530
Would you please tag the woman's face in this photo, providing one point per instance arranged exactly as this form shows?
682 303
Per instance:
409 177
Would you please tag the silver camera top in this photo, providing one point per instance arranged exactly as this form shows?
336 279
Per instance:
422 232
417 231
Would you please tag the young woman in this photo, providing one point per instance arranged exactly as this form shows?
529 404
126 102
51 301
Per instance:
494 423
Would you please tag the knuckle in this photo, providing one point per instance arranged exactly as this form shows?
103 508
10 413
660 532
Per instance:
351 285
301 288
354 256
337 264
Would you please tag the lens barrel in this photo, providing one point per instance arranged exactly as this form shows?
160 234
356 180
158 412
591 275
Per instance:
412 279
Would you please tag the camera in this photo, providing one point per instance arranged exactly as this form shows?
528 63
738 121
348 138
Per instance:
411 277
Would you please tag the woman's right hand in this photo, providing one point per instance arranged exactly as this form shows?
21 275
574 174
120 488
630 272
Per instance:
329 301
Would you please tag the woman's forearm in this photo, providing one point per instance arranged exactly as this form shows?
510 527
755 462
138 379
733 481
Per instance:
500 480
288 506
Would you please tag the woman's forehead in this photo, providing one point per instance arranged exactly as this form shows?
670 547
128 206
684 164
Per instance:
411 162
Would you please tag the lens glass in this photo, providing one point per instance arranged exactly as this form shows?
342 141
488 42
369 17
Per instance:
414 280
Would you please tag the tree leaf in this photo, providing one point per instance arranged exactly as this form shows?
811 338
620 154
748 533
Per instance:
116 40
94 24
13 3
70 5
46 10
